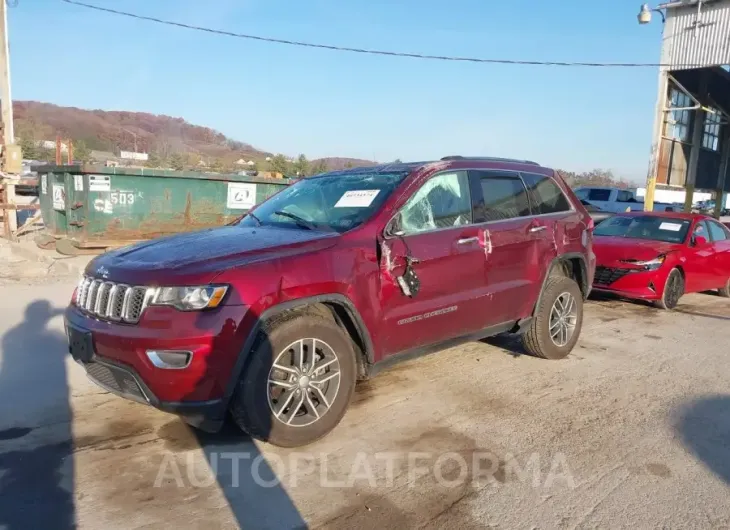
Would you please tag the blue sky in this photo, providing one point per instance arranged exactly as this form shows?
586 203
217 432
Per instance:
324 103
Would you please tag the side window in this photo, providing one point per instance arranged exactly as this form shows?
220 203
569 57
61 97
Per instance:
545 195
718 232
599 195
442 202
504 198
623 196
582 194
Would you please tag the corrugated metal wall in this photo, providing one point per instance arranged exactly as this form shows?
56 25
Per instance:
709 46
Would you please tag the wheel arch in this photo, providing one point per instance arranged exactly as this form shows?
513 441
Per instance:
339 307
572 264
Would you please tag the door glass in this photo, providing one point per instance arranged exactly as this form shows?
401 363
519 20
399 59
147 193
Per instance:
504 198
546 195
717 231
442 202
599 195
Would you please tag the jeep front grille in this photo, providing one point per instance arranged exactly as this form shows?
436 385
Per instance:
112 301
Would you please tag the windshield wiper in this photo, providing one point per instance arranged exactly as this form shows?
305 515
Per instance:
298 220
258 221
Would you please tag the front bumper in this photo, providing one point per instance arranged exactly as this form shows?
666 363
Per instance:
114 357
125 382
630 282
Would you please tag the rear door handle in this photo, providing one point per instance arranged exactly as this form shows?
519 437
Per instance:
538 228
467 240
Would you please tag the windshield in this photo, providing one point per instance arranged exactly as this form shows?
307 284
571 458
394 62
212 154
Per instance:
664 229
337 202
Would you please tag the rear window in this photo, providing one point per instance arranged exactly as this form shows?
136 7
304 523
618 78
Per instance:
545 195
665 229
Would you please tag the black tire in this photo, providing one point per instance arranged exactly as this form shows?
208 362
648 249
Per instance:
725 291
537 339
673 291
250 404
561 269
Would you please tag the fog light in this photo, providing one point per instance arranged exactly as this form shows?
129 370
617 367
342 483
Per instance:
170 359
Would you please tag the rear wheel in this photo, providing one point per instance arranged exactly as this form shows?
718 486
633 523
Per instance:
558 319
725 291
673 291
298 383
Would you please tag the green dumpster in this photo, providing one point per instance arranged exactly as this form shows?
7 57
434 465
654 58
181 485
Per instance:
108 206
52 192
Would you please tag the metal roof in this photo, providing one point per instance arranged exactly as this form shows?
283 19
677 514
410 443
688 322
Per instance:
694 42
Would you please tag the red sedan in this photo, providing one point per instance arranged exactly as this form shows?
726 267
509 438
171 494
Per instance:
661 256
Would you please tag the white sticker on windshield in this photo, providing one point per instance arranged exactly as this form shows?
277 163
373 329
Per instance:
674 227
357 199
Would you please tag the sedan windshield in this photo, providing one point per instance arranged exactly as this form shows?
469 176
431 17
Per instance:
330 203
655 228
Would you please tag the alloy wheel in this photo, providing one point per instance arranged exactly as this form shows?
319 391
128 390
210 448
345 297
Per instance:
303 382
563 319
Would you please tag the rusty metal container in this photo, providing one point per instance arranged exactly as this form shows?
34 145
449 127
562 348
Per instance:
52 192
106 206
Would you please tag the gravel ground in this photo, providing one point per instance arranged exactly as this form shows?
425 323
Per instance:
630 431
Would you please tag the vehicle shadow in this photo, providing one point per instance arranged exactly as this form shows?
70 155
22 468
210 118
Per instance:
510 343
704 427
694 312
248 479
36 475
613 300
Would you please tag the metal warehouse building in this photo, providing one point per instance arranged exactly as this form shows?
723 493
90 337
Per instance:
691 142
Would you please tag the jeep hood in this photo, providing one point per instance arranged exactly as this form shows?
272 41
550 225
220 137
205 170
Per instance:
201 256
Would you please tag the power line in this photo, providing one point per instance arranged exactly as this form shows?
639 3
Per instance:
363 50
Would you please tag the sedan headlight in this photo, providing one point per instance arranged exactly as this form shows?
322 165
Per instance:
650 265
190 298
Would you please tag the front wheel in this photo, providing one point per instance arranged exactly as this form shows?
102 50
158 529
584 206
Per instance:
558 319
725 291
298 383
673 291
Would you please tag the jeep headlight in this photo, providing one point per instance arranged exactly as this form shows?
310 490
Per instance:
190 298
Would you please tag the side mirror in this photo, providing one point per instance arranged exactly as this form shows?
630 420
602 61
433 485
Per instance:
394 227
700 241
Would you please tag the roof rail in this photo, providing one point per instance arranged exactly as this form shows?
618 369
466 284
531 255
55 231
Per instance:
489 159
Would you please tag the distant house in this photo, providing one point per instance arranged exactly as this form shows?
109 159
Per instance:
129 155
102 157
50 144
244 162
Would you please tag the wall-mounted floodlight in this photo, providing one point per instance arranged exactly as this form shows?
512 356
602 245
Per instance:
645 14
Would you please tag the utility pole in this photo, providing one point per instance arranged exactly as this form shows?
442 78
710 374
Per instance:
11 221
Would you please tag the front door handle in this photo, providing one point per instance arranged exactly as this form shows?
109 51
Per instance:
538 228
467 240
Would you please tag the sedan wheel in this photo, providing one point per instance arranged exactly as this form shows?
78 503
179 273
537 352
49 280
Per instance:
725 291
673 290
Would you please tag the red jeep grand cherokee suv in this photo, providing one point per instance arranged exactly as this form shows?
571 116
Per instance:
275 317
